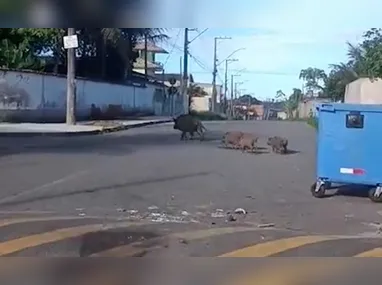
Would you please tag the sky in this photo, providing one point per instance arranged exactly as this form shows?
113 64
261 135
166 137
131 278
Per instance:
276 38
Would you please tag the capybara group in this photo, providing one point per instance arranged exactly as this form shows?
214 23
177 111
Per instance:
278 144
187 123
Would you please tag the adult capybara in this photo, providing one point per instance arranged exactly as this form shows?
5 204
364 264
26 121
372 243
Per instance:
278 144
231 139
186 123
248 142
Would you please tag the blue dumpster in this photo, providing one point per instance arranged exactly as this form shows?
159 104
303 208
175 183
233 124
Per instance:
349 146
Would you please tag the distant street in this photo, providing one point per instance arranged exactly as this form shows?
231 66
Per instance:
143 192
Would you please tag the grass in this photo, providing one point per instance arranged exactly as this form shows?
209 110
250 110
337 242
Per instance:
313 121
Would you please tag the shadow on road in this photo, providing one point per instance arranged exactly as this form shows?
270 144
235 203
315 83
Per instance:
4 201
96 242
106 144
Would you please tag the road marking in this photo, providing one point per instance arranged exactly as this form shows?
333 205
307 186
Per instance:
8 222
133 248
375 252
22 243
291 272
43 187
276 246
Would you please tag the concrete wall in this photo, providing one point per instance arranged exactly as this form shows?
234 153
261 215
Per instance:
200 104
306 107
29 96
364 91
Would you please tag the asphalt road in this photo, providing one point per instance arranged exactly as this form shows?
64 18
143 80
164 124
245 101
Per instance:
143 192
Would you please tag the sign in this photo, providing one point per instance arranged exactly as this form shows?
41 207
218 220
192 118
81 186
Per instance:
172 81
172 90
71 42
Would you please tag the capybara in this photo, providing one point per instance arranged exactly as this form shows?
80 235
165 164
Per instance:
248 142
278 144
188 124
232 139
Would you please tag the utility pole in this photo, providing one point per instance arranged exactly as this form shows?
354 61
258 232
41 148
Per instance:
225 85
71 84
215 71
185 73
226 82
231 107
146 55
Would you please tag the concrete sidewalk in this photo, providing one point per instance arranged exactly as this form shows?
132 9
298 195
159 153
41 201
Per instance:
82 128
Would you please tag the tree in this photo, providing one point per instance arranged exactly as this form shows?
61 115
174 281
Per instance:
196 91
290 103
98 49
314 79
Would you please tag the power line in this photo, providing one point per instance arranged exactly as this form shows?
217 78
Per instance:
173 47
200 63
259 72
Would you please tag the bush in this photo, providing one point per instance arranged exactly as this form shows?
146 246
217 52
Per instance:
208 116
313 121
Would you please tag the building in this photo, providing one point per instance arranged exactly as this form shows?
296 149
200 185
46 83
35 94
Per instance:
205 103
153 66
177 77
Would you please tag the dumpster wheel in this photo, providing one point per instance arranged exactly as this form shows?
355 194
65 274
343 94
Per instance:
375 194
318 189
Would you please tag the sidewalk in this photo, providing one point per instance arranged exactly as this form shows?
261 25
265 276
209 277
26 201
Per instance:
82 128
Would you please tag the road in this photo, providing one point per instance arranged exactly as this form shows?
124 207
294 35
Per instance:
143 192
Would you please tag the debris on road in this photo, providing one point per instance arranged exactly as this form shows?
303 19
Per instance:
231 218
185 213
269 225
153 208
219 213
240 211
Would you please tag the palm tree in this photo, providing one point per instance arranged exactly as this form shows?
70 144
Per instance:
313 78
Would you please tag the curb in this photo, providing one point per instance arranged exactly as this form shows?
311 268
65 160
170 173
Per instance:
82 133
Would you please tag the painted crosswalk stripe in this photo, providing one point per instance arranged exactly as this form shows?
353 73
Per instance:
375 252
23 243
134 248
277 246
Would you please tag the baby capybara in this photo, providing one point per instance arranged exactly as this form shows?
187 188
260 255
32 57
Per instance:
248 142
278 144
232 139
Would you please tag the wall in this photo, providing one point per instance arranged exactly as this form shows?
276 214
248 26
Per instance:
364 91
308 107
27 96
200 104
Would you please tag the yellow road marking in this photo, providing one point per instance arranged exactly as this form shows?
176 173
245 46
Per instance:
22 243
8 222
291 272
375 252
276 246
133 248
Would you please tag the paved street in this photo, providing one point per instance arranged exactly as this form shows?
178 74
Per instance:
143 192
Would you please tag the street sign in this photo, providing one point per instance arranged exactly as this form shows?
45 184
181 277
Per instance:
172 81
70 41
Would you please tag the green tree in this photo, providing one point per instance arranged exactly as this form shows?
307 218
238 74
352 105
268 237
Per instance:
314 79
